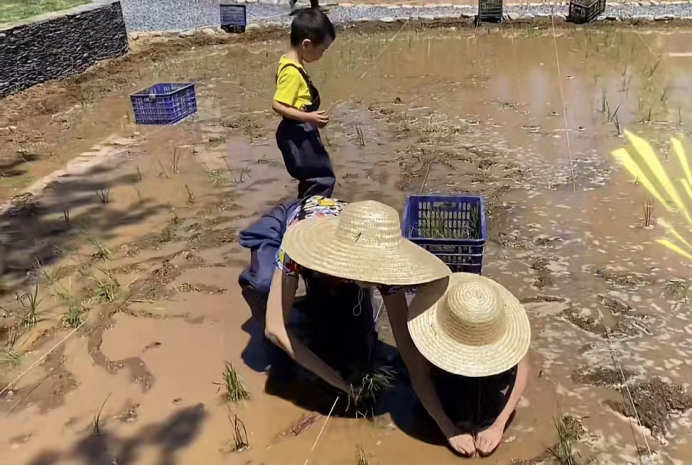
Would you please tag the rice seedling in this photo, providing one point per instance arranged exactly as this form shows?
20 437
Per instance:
618 128
604 102
217 177
74 317
102 195
30 302
245 171
567 434
163 170
615 113
679 116
372 384
96 423
677 289
107 289
175 159
139 174
435 224
361 456
66 216
101 251
190 195
647 118
361 137
233 384
139 194
648 209
10 357
652 70
239 434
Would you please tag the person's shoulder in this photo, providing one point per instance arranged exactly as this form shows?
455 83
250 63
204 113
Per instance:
288 66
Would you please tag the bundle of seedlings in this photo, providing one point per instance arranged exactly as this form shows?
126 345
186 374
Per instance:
364 392
233 384
436 224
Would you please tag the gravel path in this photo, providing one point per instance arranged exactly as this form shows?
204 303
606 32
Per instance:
165 15
161 15
263 13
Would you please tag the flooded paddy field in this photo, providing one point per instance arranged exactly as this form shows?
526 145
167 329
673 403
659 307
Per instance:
120 257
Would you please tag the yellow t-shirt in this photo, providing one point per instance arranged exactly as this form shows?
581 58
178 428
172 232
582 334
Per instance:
291 88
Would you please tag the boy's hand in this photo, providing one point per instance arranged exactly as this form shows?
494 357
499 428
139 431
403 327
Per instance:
319 118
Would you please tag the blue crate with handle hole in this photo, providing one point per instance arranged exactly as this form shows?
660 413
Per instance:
233 17
453 228
164 103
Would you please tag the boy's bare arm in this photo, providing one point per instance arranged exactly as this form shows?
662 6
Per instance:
319 118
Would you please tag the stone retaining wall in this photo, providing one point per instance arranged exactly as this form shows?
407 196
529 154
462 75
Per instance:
58 45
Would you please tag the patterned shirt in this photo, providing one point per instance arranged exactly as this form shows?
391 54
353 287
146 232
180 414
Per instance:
316 207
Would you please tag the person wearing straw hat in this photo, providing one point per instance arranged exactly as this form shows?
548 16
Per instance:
464 335
332 245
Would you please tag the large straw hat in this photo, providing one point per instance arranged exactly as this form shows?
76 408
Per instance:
476 329
364 243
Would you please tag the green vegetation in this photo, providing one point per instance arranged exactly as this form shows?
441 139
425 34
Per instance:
569 431
74 317
361 456
30 302
13 10
10 357
438 224
233 384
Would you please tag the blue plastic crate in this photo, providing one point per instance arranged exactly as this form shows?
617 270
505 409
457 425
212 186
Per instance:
453 228
164 103
233 17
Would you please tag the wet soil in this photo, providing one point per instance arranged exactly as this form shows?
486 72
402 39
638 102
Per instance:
602 376
595 283
655 402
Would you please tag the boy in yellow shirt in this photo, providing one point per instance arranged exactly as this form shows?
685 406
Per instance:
297 100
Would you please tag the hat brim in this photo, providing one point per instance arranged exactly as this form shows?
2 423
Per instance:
314 244
438 347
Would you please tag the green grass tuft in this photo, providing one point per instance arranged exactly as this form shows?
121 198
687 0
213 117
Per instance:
14 10
233 384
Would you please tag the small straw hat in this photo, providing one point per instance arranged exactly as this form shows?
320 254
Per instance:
476 329
364 243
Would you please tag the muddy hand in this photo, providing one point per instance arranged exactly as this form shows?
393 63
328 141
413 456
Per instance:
489 439
463 444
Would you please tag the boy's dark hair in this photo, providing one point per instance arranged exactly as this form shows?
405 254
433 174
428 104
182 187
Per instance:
313 25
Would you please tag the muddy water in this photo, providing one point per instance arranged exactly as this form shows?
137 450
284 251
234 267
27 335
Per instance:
481 113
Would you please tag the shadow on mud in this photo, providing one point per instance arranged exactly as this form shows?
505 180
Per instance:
16 167
168 437
334 327
46 229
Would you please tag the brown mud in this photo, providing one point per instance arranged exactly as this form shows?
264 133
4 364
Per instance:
654 401
152 270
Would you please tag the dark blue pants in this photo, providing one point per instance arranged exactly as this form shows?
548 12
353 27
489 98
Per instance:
306 158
